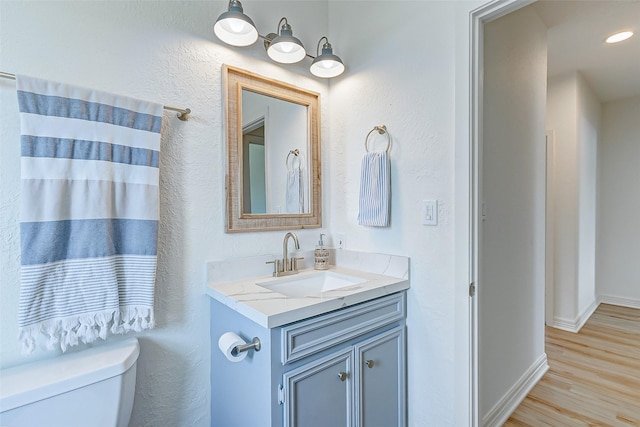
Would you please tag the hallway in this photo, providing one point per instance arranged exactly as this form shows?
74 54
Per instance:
594 376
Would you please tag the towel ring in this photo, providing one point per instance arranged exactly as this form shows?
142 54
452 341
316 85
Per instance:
296 153
382 129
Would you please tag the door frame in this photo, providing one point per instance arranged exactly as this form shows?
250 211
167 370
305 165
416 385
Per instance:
478 18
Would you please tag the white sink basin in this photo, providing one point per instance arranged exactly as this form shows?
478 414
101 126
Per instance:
307 285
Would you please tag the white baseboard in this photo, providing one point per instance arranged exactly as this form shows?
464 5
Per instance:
516 394
624 302
574 325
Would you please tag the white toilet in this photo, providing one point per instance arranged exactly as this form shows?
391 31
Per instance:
93 387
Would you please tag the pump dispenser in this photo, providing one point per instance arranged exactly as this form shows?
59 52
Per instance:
321 255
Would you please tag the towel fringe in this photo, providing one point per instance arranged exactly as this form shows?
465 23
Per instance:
69 332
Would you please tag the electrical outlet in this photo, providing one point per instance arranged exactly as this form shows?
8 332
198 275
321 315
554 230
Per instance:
341 241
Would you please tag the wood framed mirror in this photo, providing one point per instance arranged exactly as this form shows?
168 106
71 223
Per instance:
273 154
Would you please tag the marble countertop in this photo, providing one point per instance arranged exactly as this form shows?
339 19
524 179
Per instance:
233 283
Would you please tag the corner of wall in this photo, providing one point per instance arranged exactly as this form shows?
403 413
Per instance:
501 412
574 325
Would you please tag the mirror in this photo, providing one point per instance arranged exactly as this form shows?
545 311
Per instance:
273 169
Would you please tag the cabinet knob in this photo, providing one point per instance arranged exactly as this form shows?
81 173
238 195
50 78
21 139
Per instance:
370 363
342 376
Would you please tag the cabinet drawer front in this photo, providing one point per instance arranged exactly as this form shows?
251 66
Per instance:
313 335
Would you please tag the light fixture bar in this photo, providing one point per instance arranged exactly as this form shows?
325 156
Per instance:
235 28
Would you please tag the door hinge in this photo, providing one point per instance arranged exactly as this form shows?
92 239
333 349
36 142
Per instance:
280 394
472 289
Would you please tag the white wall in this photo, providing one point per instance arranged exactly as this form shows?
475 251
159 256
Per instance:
561 119
511 286
166 52
588 122
573 113
618 268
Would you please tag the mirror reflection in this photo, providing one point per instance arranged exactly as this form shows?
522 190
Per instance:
275 165
273 151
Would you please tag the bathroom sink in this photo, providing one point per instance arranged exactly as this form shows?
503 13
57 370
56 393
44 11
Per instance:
313 284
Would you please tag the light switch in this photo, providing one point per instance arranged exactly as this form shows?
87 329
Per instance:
430 212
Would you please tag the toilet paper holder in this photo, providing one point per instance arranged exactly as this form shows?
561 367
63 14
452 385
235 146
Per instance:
254 344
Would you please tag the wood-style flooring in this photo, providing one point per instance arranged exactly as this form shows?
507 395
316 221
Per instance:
594 376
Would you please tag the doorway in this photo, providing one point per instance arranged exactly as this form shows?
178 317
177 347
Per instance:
508 235
492 12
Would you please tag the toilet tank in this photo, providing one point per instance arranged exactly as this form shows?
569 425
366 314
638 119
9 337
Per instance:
93 387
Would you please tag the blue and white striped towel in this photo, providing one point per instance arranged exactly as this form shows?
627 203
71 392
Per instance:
89 216
375 190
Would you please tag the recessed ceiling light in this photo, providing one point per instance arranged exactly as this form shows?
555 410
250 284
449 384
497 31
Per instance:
618 37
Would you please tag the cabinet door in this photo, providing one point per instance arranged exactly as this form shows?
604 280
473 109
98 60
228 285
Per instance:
381 386
320 393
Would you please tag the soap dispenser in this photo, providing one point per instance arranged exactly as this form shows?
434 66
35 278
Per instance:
321 256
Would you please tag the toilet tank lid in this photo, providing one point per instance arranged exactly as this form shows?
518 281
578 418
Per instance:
39 380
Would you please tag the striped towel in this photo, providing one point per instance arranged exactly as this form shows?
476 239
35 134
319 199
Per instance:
89 216
375 190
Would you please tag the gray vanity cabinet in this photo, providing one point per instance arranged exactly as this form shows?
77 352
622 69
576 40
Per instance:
362 385
342 368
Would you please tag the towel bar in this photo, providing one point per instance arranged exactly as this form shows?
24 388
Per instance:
296 153
183 113
382 129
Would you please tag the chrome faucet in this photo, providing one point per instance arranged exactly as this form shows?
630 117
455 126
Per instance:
286 266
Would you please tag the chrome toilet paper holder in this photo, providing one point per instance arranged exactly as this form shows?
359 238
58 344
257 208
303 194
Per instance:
254 344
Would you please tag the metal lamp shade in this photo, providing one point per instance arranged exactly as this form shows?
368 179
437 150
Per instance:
327 65
234 27
286 49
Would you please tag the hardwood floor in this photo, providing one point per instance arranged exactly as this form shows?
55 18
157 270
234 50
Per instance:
594 376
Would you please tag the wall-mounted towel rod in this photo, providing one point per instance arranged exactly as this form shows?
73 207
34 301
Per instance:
183 113
295 152
382 129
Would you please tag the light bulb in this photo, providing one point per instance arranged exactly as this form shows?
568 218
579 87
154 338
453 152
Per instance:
328 64
286 47
236 25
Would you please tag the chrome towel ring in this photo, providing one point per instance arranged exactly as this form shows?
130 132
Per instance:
382 129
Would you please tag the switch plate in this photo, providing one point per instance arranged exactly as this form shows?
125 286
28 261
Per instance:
429 212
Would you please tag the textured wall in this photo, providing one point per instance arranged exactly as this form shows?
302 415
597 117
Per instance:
403 78
166 52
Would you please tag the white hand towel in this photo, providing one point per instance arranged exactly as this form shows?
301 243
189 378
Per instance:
89 218
375 190
295 191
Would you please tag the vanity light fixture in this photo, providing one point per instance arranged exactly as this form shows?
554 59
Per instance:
285 48
234 27
237 29
327 64
619 37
